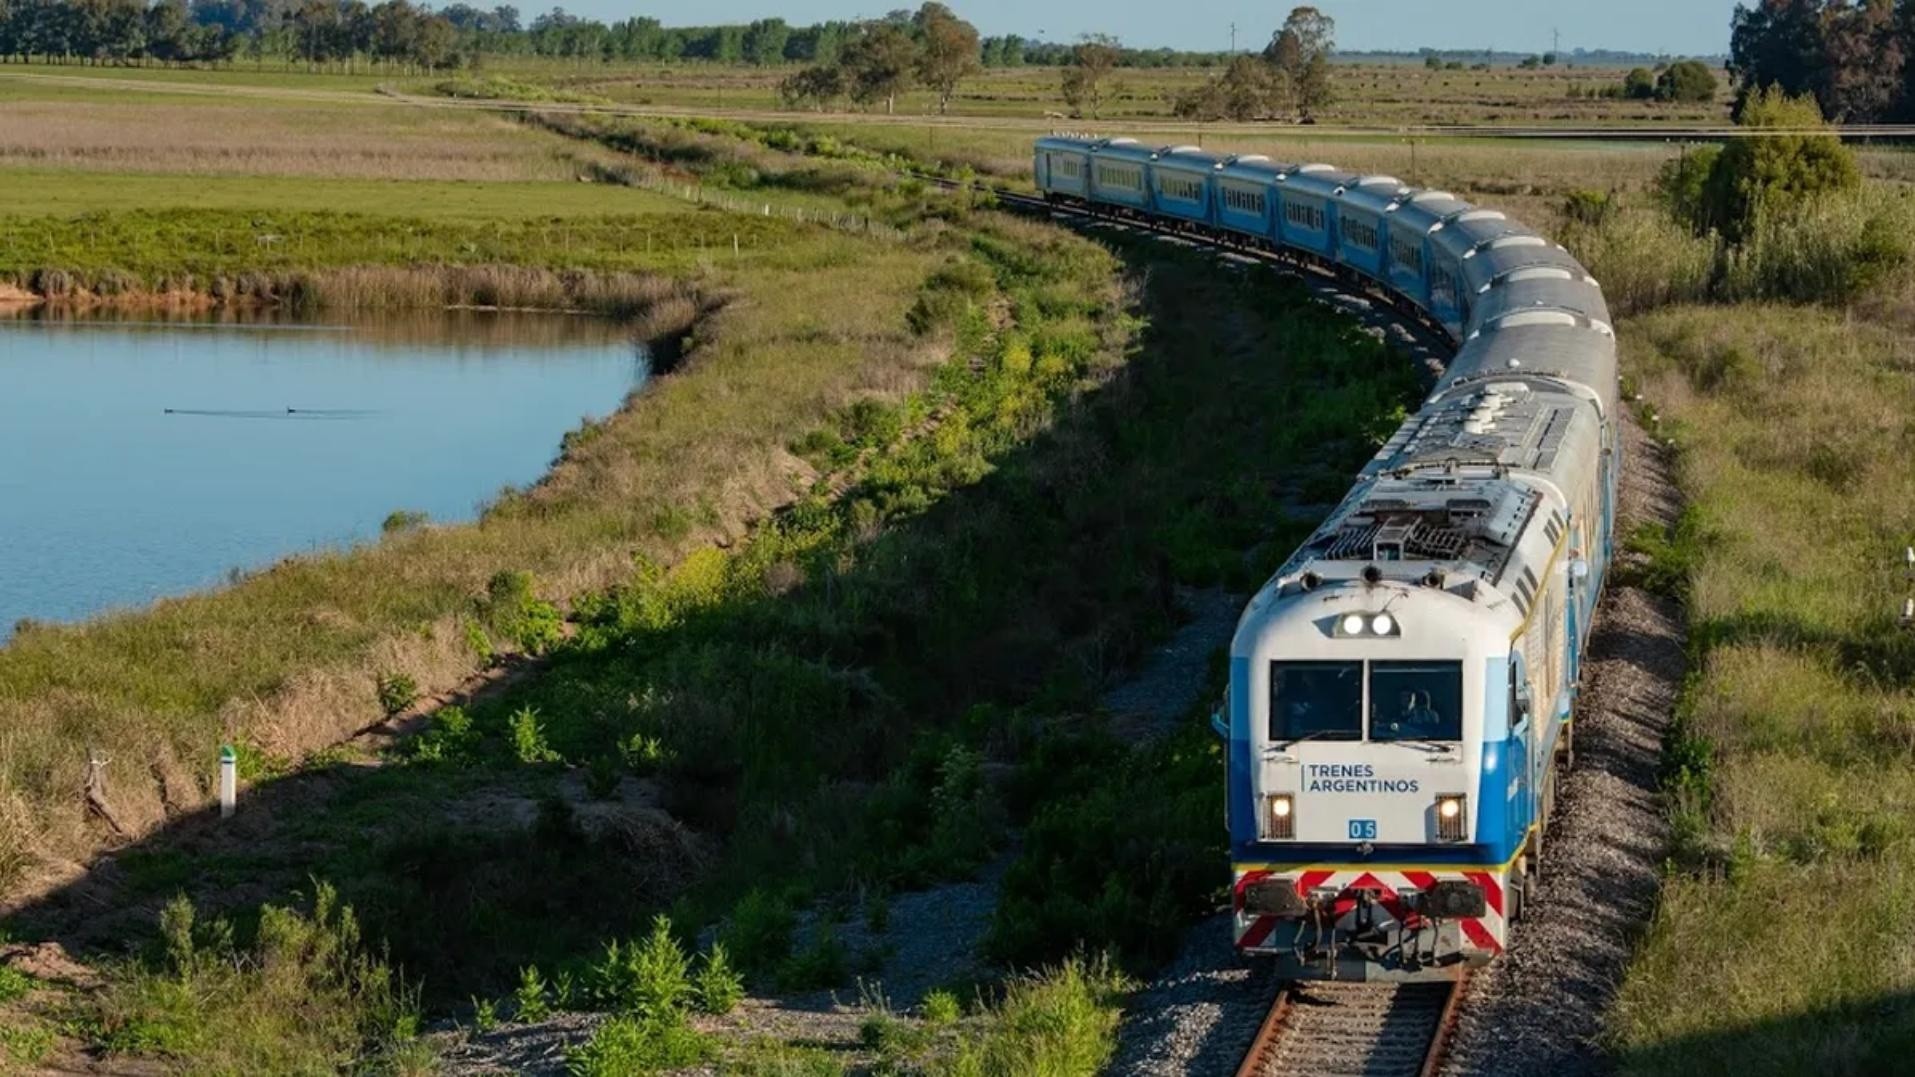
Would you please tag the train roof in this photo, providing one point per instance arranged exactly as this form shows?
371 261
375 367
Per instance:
1317 179
1426 210
1374 193
1255 166
1540 288
1194 158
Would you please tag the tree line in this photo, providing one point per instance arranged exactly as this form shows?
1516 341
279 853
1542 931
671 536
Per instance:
1852 57
345 32
1289 78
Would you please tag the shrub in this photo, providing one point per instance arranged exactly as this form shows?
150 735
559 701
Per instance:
717 985
602 778
485 1015
402 520
1686 81
514 611
1591 208
1780 173
480 643
1639 84
304 997
820 964
940 1008
624 1046
397 691
758 935
660 982
1061 1021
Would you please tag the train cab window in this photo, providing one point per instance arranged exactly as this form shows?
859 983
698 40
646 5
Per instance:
1316 701
1416 701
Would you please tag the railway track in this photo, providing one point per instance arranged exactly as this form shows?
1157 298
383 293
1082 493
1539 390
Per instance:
1372 1030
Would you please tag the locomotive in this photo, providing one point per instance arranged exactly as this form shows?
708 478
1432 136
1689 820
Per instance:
1402 692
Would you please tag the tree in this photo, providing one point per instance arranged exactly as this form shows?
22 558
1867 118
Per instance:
765 40
1091 62
1639 84
1863 59
1776 43
1755 176
878 63
1300 53
1245 91
1686 81
819 86
947 50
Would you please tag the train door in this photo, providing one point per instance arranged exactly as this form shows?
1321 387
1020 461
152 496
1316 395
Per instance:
1522 727
1043 168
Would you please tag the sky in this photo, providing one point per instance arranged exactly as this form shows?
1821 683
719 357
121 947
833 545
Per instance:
1671 26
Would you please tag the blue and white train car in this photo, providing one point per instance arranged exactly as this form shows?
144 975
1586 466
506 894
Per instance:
1362 209
1061 166
1181 180
1409 225
1306 215
1120 174
1246 201
1402 689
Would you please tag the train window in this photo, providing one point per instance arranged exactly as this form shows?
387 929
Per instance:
1180 187
1416 701
1405 252
1316 701
1360 233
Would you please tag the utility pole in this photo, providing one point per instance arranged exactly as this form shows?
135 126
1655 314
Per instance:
1556 43
1233 39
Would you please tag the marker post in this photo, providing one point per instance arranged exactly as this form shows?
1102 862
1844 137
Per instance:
228 781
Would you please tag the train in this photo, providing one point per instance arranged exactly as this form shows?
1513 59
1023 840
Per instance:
1402 691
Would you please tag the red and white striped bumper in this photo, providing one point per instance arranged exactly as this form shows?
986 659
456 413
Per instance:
1362 922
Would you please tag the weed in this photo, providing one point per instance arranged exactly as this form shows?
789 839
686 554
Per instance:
29 1045
485 1014
660 982
397 691
603 777
1060 1021
940 1008
717 986
626 1045
758 934
529 1002
13 983
821 963
528 738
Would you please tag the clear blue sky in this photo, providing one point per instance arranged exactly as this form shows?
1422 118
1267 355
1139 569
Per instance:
1674 26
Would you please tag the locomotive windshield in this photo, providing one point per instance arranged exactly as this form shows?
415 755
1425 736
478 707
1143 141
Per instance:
1325 701
1316 701
1416 701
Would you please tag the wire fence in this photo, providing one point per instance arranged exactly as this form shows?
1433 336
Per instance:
645 177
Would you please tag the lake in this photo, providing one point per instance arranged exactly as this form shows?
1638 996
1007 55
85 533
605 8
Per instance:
145 459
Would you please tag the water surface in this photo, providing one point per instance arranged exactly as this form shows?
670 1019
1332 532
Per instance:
139 460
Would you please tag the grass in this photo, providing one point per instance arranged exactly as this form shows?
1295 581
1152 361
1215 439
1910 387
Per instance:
1791 421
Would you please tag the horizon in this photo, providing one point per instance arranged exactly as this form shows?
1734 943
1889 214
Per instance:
1649 27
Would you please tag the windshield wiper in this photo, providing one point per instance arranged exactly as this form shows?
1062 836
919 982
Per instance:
1294 741
1432 745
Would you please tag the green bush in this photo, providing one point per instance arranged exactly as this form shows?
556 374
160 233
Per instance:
718 987
514 611
1061 1022
660 980
13 983
402 520
529 1002
602 778
1688 81
822 963
397 691
528 738
940 1008
1776 173
758 934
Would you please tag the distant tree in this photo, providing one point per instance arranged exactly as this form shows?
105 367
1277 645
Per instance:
1686 81
170 33
1433 61
1246 90
1549 59
1864 56
818 87
764 41
1776 43
1091 63
1639 84
1530 63
947 51
1300 53
878 63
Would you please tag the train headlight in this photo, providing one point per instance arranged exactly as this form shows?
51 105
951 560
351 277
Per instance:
1280 817
1367 626
1452 818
